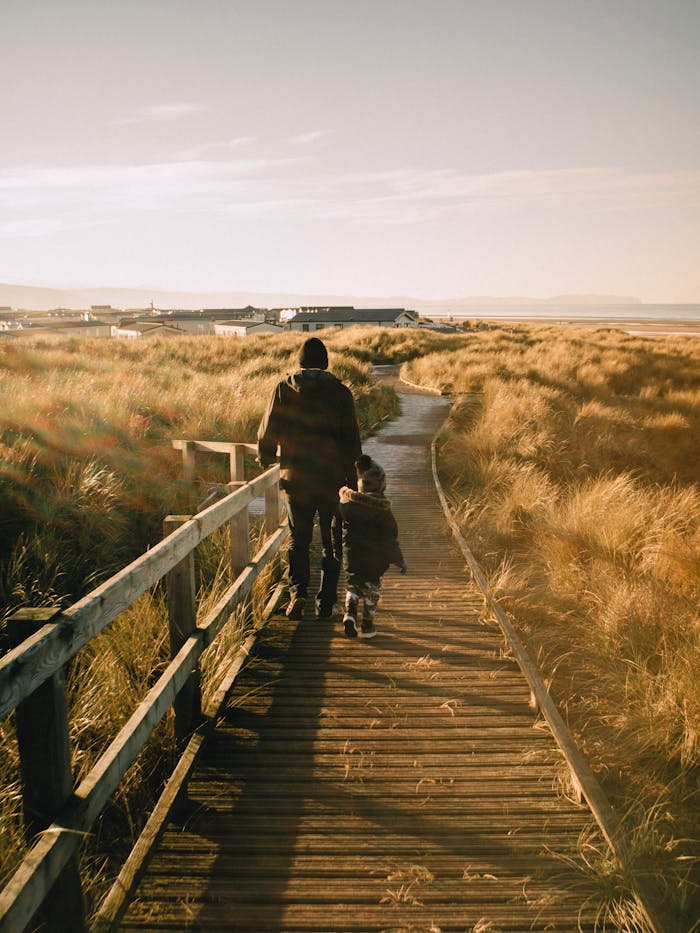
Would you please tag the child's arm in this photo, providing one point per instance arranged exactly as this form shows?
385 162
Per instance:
394 553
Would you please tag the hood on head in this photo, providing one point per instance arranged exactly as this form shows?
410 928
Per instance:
370 475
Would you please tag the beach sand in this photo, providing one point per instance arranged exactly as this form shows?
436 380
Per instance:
665 327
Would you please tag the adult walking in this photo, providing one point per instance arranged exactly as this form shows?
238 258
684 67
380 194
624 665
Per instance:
311 417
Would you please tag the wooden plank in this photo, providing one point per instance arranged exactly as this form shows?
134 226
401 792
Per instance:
40 868
272 509
221 447
181 596
189 461
237 464
239 531
590 787
23 669
286 832
241 586
41 722
113 906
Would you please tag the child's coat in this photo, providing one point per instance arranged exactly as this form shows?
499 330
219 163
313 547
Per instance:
370 534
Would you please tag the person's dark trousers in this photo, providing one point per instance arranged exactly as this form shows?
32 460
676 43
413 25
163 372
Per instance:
301 525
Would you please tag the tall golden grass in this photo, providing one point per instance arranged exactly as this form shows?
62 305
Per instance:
87 471
572 461
87 474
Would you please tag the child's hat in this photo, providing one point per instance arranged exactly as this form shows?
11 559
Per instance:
370 476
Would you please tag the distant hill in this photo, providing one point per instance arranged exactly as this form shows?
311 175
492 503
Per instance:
34 298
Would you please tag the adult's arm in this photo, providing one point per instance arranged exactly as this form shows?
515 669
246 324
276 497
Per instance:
349 439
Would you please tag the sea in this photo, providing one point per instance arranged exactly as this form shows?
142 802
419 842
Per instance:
666 313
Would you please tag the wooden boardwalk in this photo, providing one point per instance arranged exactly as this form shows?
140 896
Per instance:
398 784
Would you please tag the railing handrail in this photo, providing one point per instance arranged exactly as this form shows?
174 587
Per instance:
43 656
220 447
26 667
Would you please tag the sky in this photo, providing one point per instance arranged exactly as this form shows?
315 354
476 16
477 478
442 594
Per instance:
375 147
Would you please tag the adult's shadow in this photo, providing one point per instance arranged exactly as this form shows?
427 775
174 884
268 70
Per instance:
247 797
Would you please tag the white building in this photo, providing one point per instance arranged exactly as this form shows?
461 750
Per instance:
142 329
352 317
245 328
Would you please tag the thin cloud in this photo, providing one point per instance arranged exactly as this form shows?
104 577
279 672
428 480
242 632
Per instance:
34 227
41 200
407 196
221 149
306 139
160 113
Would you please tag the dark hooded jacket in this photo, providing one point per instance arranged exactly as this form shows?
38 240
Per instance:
311 416
370 534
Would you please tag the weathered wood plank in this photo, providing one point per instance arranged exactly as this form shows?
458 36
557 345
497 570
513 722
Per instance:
237 464
239 531
41 722
338 764
181 594
590 787
221 447
112 908
40 868
25 667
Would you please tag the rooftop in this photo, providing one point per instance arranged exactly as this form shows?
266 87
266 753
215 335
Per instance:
348 315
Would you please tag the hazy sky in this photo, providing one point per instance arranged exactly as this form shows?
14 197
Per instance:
372 147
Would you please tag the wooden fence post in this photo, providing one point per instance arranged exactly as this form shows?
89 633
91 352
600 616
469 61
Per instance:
188 461
189 456
182 619
239 526
47 776
272 508
237 459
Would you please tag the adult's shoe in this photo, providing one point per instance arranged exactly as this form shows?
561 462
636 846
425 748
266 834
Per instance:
324 610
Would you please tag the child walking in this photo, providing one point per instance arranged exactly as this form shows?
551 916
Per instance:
370 545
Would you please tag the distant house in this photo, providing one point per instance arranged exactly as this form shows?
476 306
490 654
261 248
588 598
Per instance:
202 321
58 329
245 328
190 322
131 330
311 320
235 314
285 315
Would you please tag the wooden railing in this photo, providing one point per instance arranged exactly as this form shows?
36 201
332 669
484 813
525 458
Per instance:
58 815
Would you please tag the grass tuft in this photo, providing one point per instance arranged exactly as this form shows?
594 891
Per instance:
571 464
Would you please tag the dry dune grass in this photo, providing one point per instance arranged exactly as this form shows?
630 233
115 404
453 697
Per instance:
87 474
389 345
573 466
87 470
572 463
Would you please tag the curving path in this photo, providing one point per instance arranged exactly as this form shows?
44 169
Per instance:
400 784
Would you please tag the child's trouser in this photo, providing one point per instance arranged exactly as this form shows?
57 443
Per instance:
360 588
